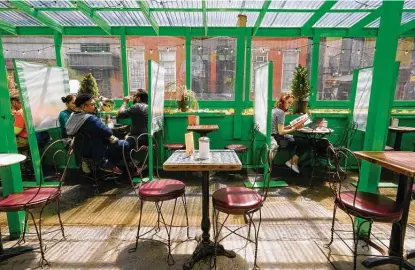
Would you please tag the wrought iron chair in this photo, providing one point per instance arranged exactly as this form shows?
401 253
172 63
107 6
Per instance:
170 147
242 149
368 206
158 191
348 135
39 197
241 201
322 153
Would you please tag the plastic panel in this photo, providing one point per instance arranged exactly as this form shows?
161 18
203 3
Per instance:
19 18
124 18
69 18
179 18
219 19
285 19
340 19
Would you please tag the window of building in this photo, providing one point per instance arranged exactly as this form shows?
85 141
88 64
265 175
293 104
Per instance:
136 68
168 61
95 47
289 63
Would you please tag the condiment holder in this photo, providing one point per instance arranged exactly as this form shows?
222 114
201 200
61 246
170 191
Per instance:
204 147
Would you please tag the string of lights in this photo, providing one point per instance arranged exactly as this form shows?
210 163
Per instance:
168 48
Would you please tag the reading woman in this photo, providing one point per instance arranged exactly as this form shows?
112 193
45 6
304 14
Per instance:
282 134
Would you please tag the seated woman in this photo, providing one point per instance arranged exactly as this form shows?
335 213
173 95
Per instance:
138 113
69 101
19 123
98 141
281 132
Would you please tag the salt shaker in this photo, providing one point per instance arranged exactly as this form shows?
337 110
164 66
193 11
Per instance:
204 147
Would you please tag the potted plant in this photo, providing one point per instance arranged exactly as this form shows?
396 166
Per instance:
300 87
185 99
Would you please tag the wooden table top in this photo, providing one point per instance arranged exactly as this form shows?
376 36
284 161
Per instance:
397 161
220 160
203 128
10 159
402 129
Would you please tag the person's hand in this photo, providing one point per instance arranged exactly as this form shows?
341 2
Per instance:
299 125
113 139
126 99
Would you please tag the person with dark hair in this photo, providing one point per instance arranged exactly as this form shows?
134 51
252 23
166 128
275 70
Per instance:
282 134
138 114
19 123
69 101
98 143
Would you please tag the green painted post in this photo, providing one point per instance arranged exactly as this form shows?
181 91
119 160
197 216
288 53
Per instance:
150 123
188 60
239 85
57 37
248 61
124 63
381 96
11 176
315 56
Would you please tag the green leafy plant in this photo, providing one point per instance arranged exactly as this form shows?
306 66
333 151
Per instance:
89 86
300 86
185 99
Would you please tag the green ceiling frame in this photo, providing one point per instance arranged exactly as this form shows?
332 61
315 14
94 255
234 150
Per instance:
90 13
150 18
261 16
407 27
307 28
24 7
204 17
5 26
366 20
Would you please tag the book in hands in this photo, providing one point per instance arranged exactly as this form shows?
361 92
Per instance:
303 118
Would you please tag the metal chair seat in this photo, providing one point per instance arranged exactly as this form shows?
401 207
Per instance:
369 205
161 190
238 148
28 198
236 200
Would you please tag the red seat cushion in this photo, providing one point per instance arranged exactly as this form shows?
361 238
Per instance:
239 148
236 200
27 199
174 146
161 190
370 206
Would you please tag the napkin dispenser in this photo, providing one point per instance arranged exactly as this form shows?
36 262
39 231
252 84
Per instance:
204 147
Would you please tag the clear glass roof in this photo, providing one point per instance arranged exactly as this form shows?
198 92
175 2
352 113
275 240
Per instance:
189 13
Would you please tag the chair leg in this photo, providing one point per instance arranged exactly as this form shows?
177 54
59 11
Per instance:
332 227
39 236
59 217
170 259
185 212
256 239
22 239
158 216
138 228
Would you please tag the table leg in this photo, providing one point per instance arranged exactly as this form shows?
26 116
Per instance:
398 142
403 197
206 247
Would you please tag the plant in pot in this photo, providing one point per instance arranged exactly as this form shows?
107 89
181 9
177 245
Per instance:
89 86
185 99
300 87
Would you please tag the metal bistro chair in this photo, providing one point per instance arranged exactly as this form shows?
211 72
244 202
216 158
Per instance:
243 150
39 197
348 134
368 206
241 201
158 191
170 147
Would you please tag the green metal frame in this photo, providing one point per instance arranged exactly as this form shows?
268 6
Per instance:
307 28
91 14
366 20
124 64
261 16
146 11
8 28
204 15
150 122
57 38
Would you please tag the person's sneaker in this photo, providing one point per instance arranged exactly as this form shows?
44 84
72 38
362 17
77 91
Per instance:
292 167
85 167
114 170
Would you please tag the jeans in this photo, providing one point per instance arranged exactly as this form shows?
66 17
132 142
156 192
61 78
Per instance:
114 152
296 144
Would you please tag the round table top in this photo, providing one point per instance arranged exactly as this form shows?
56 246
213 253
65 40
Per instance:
319 130
402 129
10 159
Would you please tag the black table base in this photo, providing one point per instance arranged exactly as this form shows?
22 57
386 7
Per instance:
372 262
205 250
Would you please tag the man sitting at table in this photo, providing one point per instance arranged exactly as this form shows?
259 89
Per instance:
98 142
138 113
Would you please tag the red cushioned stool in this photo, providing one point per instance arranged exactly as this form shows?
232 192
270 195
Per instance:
240 201
368 206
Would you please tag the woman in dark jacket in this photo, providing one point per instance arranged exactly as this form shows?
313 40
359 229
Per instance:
64 115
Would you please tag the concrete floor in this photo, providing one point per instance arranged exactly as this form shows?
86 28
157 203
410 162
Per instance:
101 229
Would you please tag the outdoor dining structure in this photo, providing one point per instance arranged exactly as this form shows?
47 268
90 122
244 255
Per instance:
226 134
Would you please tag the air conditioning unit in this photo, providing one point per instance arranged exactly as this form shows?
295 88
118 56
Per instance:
261 59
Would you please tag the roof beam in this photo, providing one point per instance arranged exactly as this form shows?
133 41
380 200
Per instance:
204 17
7 27
407 27
89 12
261 16
307 28
146 11
24 7
366 20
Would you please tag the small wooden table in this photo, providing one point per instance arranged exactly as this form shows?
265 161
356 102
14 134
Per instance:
220 160
402 163
7 160
399 132
203 130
